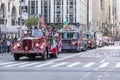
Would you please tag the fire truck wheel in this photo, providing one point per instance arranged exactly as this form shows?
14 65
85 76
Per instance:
16 57
48 56
55 55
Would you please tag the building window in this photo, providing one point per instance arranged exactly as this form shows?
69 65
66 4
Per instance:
58 19
45 10
71 10
71 19
8 6
32 7
36 7
58 7
101 4
28 7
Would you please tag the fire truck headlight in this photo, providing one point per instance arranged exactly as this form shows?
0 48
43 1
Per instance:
36 45
15 47
89 41
18 44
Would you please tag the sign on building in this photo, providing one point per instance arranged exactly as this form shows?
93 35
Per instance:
24 12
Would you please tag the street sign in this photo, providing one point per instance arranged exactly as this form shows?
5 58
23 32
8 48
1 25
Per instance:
24 15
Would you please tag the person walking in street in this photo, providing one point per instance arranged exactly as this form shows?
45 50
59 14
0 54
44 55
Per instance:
8 46
1 50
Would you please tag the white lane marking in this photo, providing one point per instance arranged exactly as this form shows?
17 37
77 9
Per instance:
102 61
29 64
67 57
103 65
74 64
16 64
117 65
111 47
59 64
45 64
5 63
89 64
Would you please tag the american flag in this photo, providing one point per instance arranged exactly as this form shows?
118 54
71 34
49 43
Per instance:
42 23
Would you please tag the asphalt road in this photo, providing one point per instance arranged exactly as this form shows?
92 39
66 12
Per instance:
97 64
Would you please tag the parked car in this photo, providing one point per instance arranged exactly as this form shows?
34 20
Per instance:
34 44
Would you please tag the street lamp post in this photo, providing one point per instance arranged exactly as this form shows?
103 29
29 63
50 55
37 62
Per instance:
88 15
20 18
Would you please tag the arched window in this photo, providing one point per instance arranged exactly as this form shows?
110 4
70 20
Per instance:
2 14
13 16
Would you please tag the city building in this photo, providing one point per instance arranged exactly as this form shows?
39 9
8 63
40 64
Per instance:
9 12
116 18
59 11
95 8
107 12
10 17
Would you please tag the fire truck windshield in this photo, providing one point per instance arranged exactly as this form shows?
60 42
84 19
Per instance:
37 32
70 35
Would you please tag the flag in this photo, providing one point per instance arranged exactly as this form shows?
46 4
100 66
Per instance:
41 22
60 45
53 45
65 24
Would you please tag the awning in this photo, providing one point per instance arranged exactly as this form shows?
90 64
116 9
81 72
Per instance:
12 29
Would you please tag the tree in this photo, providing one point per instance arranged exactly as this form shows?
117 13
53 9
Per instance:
58 26
31 21
106 32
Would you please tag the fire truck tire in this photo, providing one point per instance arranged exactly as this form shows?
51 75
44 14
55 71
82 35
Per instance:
48 56
16 57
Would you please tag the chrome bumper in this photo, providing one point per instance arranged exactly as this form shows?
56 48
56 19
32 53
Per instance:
25 52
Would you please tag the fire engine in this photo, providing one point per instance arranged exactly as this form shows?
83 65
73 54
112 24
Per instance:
73 39
34 43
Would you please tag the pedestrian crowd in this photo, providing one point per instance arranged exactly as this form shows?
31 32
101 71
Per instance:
5 45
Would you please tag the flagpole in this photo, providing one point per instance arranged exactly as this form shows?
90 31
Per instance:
38 21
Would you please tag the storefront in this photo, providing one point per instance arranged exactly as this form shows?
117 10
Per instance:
8 32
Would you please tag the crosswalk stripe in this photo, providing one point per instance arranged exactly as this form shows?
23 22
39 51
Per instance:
60 64
5 63
45 64
89 64
56 64
16 64
74 64
103 65
29 64
117 65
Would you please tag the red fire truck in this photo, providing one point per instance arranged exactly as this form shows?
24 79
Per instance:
73 39
35 43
